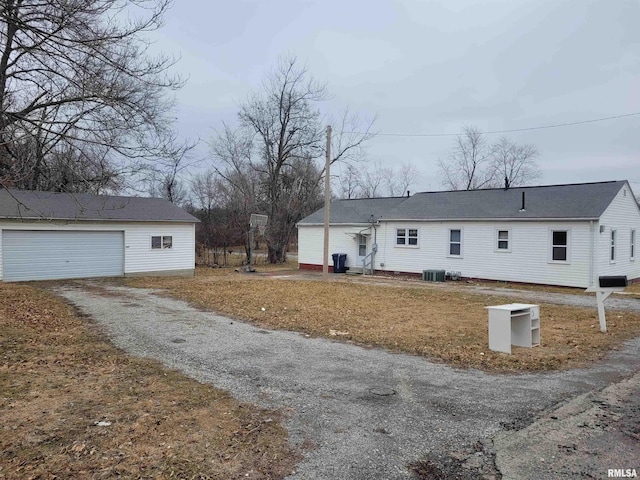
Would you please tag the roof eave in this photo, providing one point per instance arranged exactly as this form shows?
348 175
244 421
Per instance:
126 220
494 219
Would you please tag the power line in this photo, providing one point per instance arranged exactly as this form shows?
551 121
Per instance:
542 127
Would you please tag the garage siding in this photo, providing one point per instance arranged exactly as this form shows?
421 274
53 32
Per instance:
49 255
139 257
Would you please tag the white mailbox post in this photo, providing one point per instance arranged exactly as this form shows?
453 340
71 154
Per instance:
606 286
513 324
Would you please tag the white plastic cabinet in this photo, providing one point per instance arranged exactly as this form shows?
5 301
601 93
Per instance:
513 324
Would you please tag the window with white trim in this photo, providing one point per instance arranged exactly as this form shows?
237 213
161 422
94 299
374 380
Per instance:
503 240
560 245
455 242
633 245
407 236
612 251
161 242
362 246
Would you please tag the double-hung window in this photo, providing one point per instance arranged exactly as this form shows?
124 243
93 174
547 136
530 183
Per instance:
407 236
455 242
632 252
503 240
560 245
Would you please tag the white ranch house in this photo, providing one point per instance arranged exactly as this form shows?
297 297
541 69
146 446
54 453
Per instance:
555 235
45 235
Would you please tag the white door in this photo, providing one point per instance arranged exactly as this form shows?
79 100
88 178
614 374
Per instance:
50 255
362 249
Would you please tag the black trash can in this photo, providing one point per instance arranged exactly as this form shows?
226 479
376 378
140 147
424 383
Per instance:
339 262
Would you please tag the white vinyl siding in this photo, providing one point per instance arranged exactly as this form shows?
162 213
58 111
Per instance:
623 216
528 261
342 239
138 256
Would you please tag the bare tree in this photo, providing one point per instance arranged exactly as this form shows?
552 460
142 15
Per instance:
372 181
364 180
283 134
399 181
349 181
513 164
77 81
473 163
467 166
239 187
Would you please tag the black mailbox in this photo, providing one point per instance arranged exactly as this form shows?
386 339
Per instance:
613 281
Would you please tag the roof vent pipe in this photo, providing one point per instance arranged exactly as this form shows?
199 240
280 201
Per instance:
506 183
522 209
408 192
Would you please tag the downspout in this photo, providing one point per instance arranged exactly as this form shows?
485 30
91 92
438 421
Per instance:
374 249
592 241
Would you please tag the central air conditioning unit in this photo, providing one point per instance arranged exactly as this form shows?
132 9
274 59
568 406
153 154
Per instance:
433 275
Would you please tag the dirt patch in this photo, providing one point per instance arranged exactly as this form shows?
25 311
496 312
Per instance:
73 406
471 463
439 323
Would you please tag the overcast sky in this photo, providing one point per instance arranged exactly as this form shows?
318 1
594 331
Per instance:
431 67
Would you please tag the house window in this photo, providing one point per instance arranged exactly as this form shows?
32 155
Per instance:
401 236
612 255
413 236
503 240
406 236
559 245
455 242
161 242
362 246
633 245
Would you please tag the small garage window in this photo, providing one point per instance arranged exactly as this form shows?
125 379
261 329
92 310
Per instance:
161 242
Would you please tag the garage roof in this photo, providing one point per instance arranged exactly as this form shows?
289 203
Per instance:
32 205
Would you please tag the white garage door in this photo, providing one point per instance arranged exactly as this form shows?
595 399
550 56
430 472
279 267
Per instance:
49 255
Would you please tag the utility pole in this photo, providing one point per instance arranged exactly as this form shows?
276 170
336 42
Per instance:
327 201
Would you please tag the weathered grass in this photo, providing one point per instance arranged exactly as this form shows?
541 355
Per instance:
59 377
438 323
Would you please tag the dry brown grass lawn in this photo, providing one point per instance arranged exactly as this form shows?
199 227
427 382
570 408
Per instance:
438 323
59 378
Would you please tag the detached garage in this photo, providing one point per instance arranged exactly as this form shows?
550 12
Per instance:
46 236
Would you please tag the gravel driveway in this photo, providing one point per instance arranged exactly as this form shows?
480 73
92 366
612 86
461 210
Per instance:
360 413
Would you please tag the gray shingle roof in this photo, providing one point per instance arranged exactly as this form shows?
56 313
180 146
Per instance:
355 210
31 205
574 201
